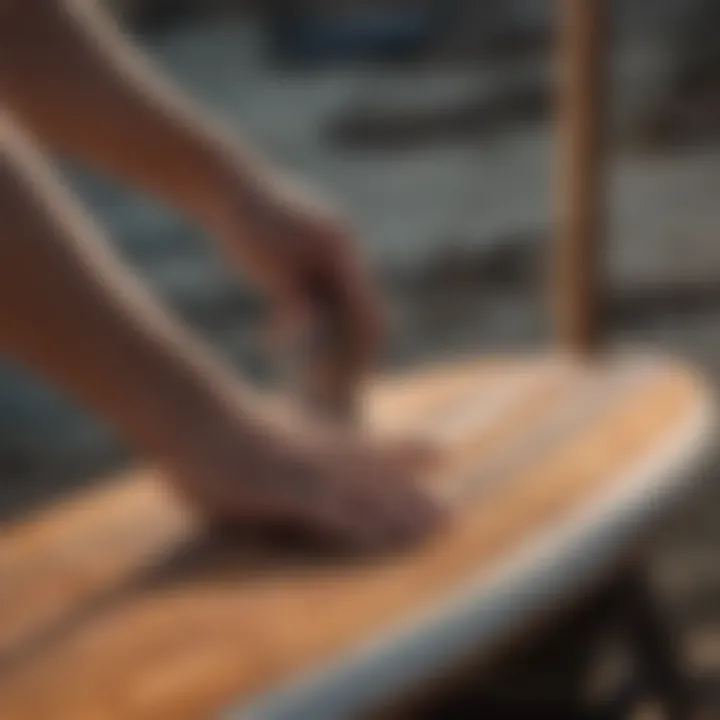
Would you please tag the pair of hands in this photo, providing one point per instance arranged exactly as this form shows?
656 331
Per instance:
344 485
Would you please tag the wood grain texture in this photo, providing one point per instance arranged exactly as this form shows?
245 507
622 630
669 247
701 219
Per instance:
583 64
117 604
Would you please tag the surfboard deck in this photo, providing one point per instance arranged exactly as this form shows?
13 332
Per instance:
119 604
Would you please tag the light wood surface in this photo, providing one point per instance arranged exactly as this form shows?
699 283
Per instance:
117 603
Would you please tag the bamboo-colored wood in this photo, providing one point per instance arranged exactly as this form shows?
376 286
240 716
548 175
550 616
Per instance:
118 605
578 260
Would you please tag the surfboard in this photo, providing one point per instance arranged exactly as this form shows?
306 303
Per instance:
118 603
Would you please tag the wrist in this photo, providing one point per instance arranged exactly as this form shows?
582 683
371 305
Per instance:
233 180
169 393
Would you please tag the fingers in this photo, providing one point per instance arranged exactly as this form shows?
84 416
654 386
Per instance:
399 516
349 495
291 322
327 298
404 504
380 505
415 456
352 293
369 523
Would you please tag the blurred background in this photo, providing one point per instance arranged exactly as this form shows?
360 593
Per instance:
430 122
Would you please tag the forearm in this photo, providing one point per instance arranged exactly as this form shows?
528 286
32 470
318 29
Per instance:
71 77
71 311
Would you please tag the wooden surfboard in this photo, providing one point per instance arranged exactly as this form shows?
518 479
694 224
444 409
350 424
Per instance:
118 604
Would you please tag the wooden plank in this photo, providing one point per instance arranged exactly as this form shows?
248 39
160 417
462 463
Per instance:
117 605
581 135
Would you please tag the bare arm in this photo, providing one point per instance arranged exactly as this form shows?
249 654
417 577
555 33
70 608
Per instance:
70 310
73 313
68 74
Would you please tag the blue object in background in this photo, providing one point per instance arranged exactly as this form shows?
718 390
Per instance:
369 35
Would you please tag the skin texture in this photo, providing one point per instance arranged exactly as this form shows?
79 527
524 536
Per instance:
69 84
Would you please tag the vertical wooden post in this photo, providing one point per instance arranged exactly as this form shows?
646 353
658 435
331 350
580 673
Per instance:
583 65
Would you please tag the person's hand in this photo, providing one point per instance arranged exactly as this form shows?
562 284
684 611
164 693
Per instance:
349 490
300 252
344 486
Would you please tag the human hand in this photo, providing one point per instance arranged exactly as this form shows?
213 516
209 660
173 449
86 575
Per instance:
302 253
348 489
